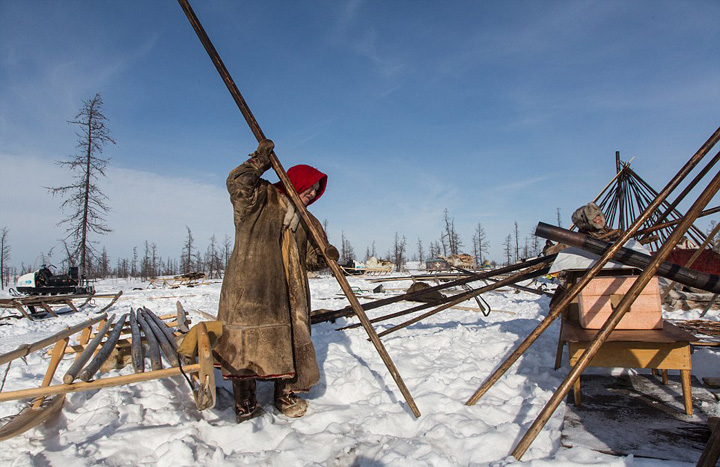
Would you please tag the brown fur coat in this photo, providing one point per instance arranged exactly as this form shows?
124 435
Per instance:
265 297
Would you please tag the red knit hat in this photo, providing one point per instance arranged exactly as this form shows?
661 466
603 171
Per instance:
303 177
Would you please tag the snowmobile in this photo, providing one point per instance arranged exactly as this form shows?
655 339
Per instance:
44 282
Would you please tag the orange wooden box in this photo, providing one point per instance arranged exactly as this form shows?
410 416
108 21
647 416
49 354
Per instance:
598 299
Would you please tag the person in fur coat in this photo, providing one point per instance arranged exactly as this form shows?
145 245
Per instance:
265 297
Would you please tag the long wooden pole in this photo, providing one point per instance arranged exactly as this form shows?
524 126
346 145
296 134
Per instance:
689 187
690 277
97 384
693 258
162 339
615 317
456 299
328 315
152 342
529 273
300 207
652 229
573 291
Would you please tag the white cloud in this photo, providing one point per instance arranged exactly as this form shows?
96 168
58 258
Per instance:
144 207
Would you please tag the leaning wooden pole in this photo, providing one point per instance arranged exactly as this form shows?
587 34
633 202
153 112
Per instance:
300 207
711 236
329 315
573 291
454 299
615 317
671 207
630 257
530 273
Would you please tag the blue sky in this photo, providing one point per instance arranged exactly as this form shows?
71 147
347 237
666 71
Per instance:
500 112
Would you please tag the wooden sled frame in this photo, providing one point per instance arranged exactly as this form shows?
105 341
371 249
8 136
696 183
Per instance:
26 305
188 280
48 399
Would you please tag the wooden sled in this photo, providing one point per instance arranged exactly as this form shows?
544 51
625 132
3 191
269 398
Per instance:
28 306
193 359
188 280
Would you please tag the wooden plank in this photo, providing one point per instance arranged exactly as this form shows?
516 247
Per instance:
572 332
671 356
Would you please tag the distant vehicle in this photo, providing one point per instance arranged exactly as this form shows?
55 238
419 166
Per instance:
44 282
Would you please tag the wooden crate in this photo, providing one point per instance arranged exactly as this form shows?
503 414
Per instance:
598 299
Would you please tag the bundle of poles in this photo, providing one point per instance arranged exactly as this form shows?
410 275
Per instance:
513 275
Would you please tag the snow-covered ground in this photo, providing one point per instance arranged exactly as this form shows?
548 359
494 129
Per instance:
357 415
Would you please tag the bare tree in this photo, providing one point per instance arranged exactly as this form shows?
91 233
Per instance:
103 264
347 253
83 198
227 250
186 258
450 237
535 244
134 263
145 264
434 249
420 251
4 257
154 259
480 244
123 268
517 242
508 249
212 259
370 252
559 221
398 252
